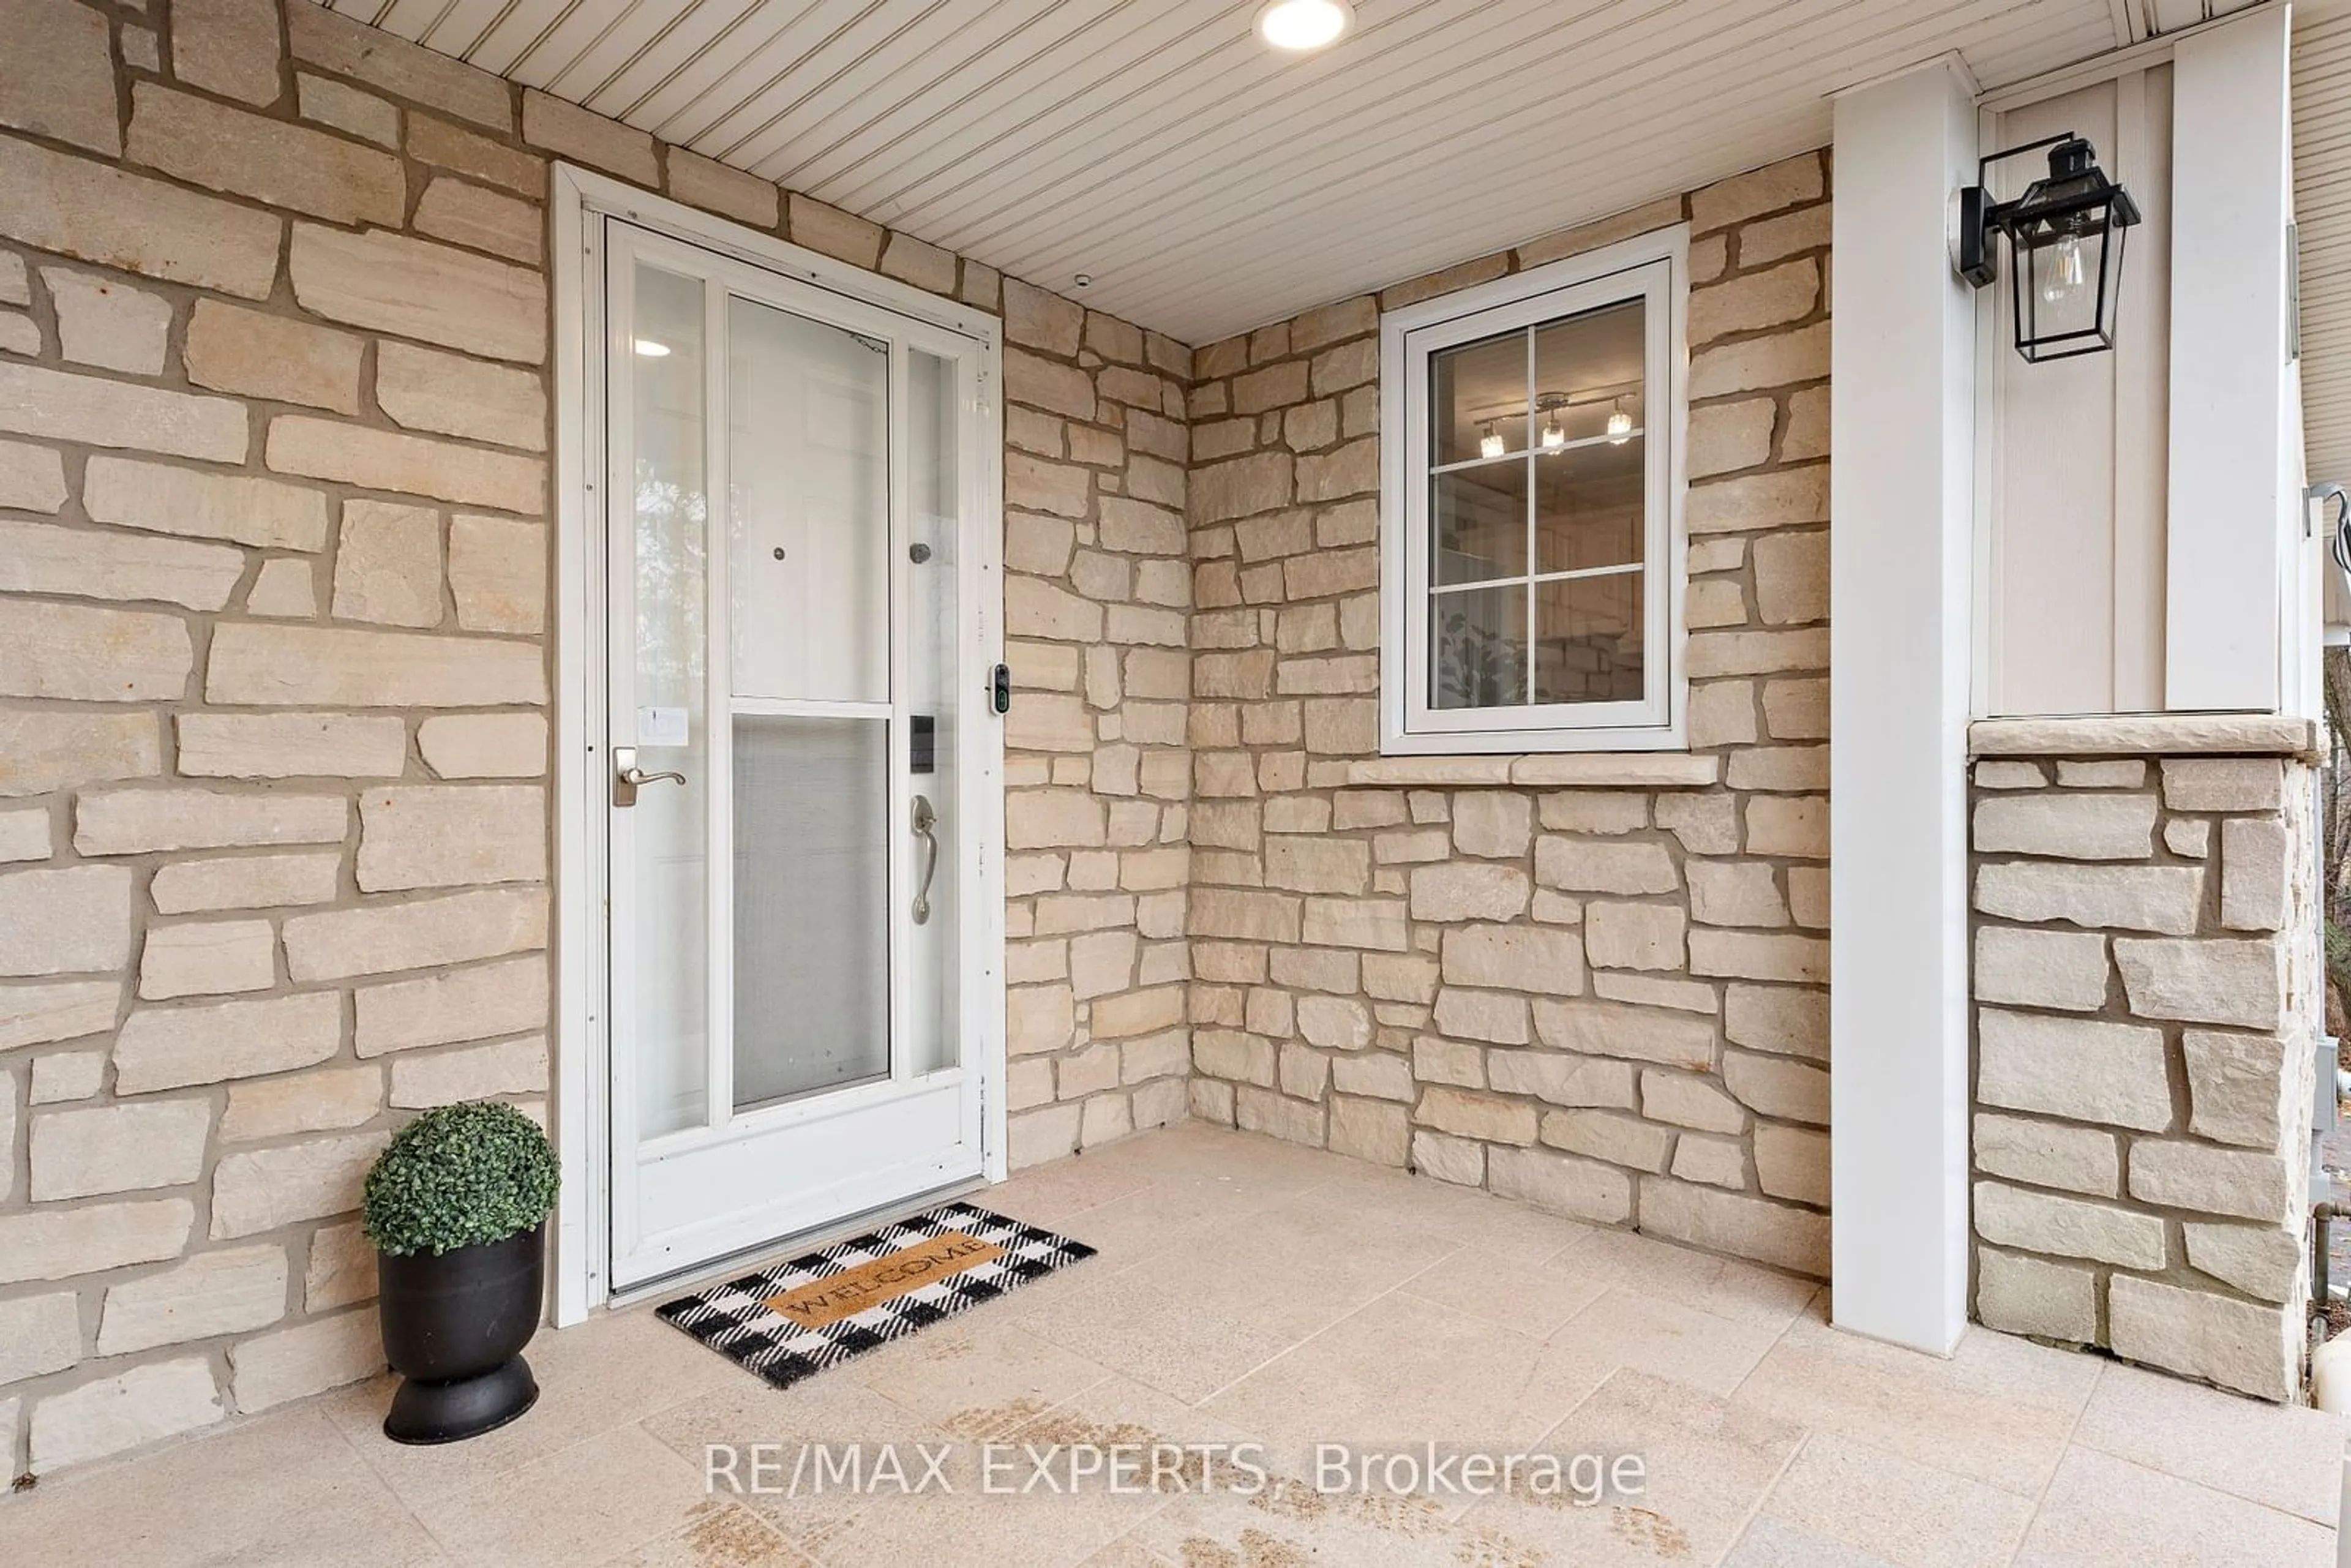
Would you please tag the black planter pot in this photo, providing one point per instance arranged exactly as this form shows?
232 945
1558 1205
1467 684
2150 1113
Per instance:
453 1327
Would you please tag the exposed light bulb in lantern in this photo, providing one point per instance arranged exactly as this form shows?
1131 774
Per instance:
1491 443
1554 437
2065 276
1620 425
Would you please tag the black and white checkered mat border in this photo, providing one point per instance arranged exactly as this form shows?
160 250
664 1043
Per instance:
735 1320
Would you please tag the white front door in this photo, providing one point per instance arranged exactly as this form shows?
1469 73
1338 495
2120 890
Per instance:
798 748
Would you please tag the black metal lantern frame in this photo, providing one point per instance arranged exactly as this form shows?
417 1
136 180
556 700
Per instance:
2065 239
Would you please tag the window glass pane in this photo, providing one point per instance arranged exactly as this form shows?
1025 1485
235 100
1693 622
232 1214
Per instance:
1477 391
1587 369
1479 523
1588 506
1588 637
1478 648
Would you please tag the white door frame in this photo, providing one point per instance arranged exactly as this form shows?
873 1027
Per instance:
581 1123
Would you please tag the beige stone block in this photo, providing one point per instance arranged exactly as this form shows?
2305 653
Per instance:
2240 1088
1048 384
1708 824
414 465
1758 956
57 79
2089 1071
1515 959
1381 1074
1304 864
36 1015
118 1148
1721 713
2048 1153
1334 1023
2206 1180
2223 982
292 746
63 921
1137 1012
25 835
1488 1016
1370 1130
258 665
1640 1033
1726 437
1773 188
840 235
1493 824
1635 936
133 821
438 142
451 835
1375 924
2259 1260
1033 609
43 558
486 220
1276 1115
63 405
1796 829
231 1290
323 1102
1563 1077
422 933
43 749
2021 1295
1791 578
164 500
350 48
1795 1240
261 1189
2001 773
245 882
1735 893
1792 1162
1049 1134
477 1073
1461 891
1657 991
1435 1060
59 1244
345 107
1606 1135
1687 1100
73 206
2132 897
272 1369
485 746
32 478
478 1003
167 1048
108 323
2243 1345
342 1268
425 388
2224 783
38 1334
1038 1019
235 349
585 137
713 187
1754 301
2067 1226
1240 487
278 164
67 1075
2256 874
417 289
1102 962
1041 320
1482 1117
1777 1086
2062 970
207 957
1755 365
2087 827
143 1405
1784 499
1580 866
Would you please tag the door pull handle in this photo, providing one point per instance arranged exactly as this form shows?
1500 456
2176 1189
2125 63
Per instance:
925 820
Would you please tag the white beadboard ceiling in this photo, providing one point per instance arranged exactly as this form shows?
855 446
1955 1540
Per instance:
2322 202
1205 183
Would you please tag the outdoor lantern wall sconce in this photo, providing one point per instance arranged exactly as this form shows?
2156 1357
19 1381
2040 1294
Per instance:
2065 240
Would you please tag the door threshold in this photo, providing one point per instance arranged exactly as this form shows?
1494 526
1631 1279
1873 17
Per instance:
744 1259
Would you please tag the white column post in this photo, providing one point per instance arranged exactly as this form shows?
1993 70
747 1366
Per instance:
1901 547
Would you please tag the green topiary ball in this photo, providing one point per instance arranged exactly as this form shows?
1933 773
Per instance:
458 1176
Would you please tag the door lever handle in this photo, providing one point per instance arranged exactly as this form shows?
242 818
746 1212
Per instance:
628 777
925 820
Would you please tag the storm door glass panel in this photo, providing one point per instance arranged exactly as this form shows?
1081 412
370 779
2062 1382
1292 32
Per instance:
670 578
934 642
809 649
811 906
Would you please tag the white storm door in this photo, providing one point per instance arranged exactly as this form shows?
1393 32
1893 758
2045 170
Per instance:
794 678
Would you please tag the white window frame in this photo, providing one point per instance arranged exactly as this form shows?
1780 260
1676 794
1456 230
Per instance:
1652 268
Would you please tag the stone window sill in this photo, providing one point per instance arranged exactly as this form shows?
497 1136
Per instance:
2146 734
1569 770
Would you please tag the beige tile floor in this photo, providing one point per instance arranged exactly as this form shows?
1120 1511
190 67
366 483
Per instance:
1251 1292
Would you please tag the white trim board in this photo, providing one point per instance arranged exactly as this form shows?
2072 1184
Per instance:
580 1119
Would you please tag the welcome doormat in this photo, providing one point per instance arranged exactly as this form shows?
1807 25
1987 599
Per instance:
831 1305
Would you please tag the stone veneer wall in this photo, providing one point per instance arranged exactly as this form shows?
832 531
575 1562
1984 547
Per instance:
2146 986
1607 1000
274 669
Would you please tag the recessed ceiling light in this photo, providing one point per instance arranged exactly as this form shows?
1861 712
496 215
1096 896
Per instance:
1300 25
652 350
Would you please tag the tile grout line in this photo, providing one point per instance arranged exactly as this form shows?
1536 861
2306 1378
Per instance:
2072 1429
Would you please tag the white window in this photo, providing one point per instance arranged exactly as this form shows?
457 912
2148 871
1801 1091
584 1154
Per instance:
1532 573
